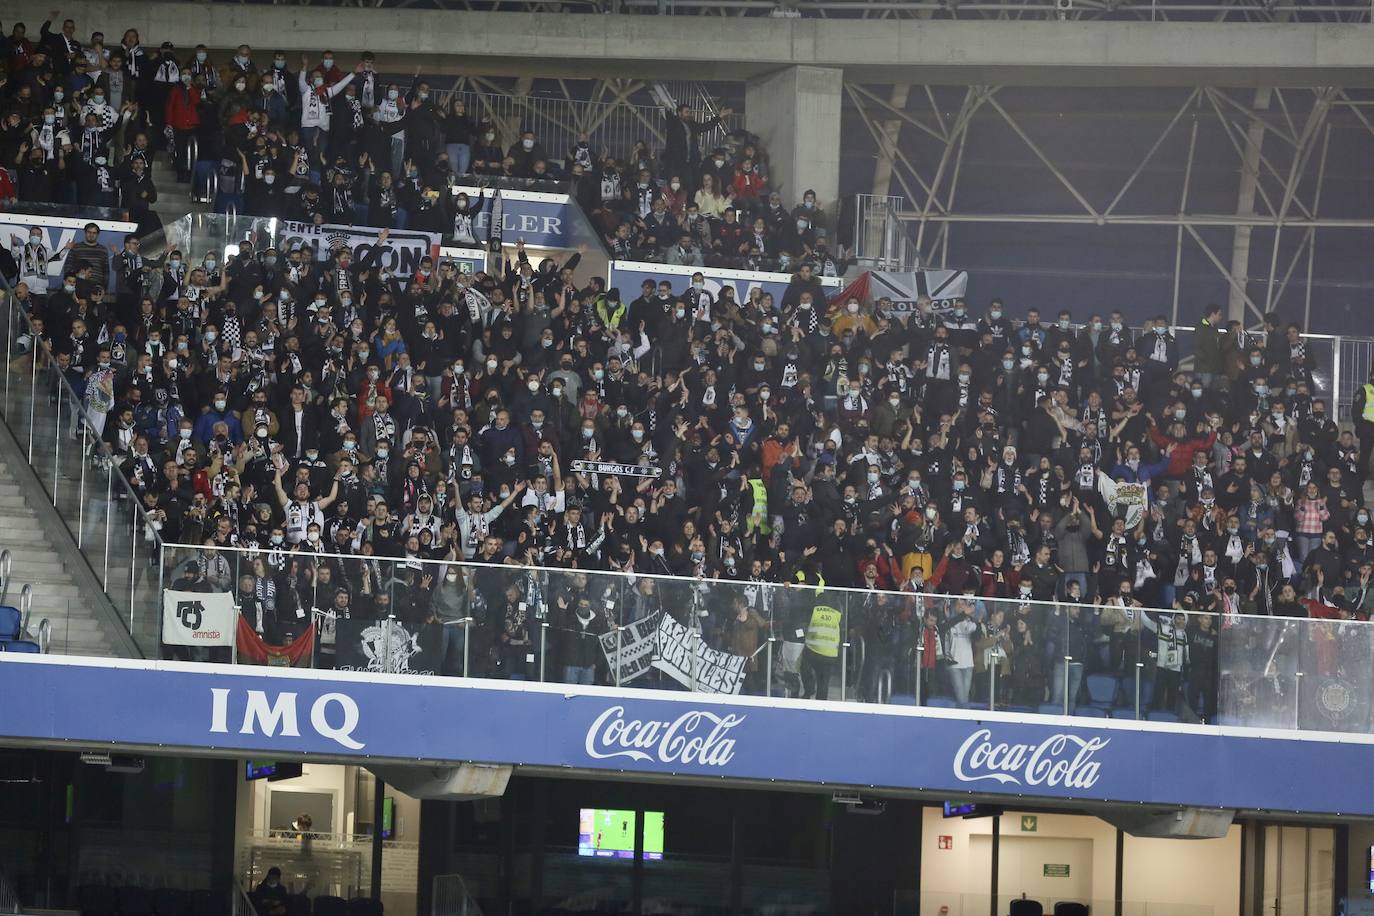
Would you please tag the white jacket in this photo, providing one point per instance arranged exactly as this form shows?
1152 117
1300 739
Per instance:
314 107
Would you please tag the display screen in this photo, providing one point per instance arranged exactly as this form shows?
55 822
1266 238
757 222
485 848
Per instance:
388 818
271 770
953 809
610 834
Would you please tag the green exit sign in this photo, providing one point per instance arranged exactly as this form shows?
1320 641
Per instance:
1029 823
1056 871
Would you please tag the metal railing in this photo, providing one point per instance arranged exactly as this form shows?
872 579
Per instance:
559 122
881 241
451 898
804 641
80 477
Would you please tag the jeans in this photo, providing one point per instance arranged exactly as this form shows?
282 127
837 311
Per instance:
573 674
452 637
314 139
1075 681
398 154
1305 544
459 157
960 680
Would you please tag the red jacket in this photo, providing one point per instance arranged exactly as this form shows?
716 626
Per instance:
1181 458
182 108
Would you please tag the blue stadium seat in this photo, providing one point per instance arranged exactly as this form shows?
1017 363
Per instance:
1051 709
20 645
902 699
1090 712
942 703
1023 710
1162 715
1123 712
1101 690
10 622
1024 907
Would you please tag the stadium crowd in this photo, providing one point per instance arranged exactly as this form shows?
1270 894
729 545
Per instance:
314 141
300 407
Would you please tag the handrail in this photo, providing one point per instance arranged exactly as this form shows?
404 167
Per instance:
192 157
6 562
42 352
25 605
44 635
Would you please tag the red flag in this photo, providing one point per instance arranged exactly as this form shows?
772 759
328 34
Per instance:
253 651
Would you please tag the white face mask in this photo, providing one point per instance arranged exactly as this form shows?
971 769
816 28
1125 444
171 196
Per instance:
185 434
527 144
491 365
220 404
533 386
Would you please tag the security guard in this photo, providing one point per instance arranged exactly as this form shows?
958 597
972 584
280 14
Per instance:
1363 411
822 646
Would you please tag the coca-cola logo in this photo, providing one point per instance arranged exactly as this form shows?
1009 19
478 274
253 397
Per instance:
695 737
1059 760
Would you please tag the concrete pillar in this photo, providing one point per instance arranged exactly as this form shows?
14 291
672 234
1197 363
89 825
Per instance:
796 113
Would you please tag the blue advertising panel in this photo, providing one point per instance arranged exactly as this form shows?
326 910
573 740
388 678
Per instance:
270 713
628 275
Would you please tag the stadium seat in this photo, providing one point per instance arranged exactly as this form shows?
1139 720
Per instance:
20 645
1162 715
11 620
1101 690
1123 712
1070 908
942 703
1024 907
325 905
1023 710
902 699
1090 712
1051 709
364 906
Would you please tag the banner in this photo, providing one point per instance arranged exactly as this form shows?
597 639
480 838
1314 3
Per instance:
401 252
57 232
543 220
387 646
197 618
636 734
690 662
904 288
628 275
467 260
631 648
613 468
254 651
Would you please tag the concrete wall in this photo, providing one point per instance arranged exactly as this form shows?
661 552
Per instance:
886 50
796 113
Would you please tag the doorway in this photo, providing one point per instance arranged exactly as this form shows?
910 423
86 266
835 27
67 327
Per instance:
1299 869
1048 869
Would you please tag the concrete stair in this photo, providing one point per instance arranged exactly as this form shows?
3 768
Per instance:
77 627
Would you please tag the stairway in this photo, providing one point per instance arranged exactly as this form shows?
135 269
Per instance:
79 627
173 197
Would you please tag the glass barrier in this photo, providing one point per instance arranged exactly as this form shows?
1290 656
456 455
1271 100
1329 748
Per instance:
413 616
79 476
197 234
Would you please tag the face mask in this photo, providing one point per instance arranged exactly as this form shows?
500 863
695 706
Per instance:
637 434
1008 364
963 378
279 62
240 86
99 160
959 312
1180 414
1261 390
1256 360
958 486
509 460
172 363
49 119
312 455
872 478
598 374
69 287
210 336
317 82
533 386
489 136
527 144
1042 377
995 314
588 432
622 411
491 365
328 62
1197 393
220 404
58 96
350 445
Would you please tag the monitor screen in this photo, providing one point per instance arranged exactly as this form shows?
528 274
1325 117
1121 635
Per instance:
271 770
610 833
955 809
388 818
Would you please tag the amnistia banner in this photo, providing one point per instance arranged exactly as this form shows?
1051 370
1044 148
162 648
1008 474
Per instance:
628 275
401 252
198 618
234 711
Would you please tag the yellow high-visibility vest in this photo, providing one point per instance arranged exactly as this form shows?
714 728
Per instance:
758 516
823 635
1368 415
